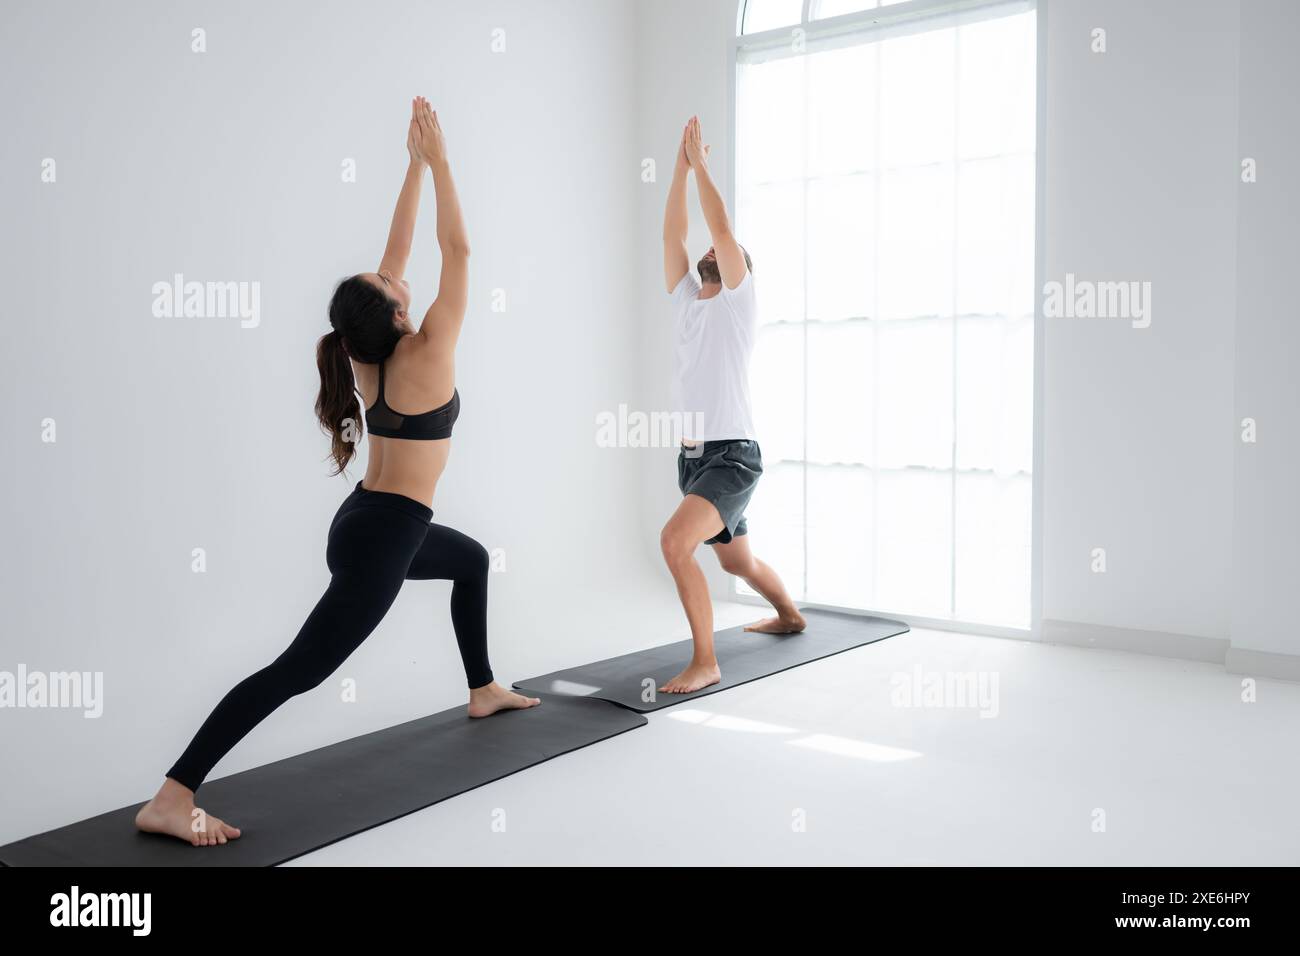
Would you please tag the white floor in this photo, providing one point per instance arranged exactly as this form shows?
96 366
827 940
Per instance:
818 765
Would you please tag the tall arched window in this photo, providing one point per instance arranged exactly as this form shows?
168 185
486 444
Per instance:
885 186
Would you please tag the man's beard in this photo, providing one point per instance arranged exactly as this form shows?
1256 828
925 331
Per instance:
708 269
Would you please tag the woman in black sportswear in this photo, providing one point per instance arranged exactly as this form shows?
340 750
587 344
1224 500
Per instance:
382 534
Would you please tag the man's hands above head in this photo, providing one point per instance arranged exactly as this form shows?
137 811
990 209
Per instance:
731 260
694 149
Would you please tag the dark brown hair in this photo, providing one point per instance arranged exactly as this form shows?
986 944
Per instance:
364 328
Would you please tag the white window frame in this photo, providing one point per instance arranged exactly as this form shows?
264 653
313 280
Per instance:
899 17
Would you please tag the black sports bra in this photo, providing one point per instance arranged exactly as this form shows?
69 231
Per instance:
383 421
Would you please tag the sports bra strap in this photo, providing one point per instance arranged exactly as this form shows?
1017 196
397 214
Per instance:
436 423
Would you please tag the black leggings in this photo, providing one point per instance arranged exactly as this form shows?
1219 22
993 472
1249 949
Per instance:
376 541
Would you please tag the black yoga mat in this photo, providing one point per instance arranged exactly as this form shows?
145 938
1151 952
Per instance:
743 656
302 803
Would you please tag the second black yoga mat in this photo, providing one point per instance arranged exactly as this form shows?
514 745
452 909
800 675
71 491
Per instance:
743 656
302 803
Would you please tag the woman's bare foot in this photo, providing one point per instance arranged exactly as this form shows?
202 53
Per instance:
787 622
490 698
172 812
695 677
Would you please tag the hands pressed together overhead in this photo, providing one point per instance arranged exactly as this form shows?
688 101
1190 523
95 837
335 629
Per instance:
428 151
424 139
692 153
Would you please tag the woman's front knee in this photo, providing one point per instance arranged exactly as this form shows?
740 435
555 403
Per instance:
477 561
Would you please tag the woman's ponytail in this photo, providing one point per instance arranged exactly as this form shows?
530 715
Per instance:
365 319
337 408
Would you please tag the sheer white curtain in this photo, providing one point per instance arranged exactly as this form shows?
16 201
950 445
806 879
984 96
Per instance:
885 189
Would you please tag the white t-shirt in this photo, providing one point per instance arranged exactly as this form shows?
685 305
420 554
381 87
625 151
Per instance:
712 341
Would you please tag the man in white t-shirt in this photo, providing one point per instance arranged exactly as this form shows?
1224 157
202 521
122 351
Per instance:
718 466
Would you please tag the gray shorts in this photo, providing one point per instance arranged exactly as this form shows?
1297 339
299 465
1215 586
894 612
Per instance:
725 473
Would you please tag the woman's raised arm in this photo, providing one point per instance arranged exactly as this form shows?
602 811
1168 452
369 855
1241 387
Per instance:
441 326
398 251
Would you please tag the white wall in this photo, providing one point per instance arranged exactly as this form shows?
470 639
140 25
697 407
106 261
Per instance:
683 70
1266 564
174 434
1141 146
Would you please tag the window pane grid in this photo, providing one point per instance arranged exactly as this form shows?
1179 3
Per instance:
895 256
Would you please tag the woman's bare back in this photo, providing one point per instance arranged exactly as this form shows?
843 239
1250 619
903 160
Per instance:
413 383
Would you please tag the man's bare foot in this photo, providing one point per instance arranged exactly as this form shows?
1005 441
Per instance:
695 677
490 698
172 813
790 622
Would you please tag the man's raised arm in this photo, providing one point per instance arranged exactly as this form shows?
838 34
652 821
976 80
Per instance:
677 262
731 258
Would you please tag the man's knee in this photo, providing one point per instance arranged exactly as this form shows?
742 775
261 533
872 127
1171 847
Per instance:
676 546
740 565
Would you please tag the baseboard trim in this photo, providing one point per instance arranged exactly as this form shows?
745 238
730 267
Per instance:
1187 647
911 620
1262 664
